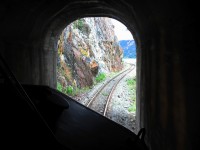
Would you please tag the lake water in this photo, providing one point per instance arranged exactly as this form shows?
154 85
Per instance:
130 60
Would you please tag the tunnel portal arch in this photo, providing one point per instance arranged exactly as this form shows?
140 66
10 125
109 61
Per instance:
73 11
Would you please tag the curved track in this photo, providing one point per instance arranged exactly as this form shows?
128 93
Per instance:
99 102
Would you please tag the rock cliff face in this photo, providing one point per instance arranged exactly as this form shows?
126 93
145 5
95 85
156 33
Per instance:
86 47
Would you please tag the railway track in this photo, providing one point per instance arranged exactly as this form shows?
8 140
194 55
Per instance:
100 101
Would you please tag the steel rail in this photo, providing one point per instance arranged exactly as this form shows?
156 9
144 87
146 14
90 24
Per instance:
112 91
102 87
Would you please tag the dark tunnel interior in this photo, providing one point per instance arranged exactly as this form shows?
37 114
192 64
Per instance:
168 101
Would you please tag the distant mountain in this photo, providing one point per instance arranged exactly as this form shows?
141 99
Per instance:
129 48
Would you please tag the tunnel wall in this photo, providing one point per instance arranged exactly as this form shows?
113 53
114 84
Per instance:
166 35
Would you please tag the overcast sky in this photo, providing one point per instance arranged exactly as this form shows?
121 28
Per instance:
121 31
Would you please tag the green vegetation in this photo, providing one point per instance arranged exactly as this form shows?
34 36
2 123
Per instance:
78 24
59 87
131 82
132 108
82 90
70 90
100 77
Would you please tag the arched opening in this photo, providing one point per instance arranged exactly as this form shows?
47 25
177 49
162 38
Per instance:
96 66
64 18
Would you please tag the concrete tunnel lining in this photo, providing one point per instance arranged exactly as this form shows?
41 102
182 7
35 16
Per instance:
167 58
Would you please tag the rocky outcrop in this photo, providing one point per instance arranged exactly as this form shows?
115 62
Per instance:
87 47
